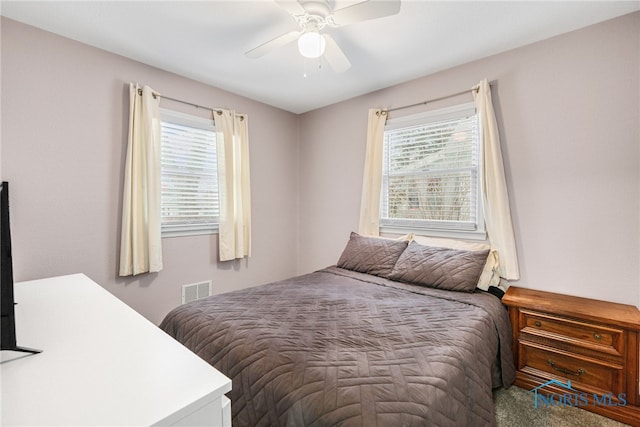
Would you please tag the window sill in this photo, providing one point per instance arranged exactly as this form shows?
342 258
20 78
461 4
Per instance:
451 234
184 233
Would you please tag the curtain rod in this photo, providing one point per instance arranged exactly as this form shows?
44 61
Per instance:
157 95
475 89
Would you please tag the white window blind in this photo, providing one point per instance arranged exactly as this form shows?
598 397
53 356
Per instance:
189 176
431 173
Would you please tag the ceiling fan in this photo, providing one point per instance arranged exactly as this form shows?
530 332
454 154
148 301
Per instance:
313 16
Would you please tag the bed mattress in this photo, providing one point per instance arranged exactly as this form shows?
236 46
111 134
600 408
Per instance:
337 347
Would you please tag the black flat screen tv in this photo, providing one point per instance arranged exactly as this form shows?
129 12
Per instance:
8 318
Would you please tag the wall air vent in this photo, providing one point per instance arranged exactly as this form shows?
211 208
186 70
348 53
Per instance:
196 291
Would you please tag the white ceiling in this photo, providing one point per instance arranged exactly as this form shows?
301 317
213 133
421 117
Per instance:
206 40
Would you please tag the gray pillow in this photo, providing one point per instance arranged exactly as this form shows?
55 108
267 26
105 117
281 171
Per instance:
371 255
442 268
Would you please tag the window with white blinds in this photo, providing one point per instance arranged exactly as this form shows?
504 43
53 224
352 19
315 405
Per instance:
189 176
431 174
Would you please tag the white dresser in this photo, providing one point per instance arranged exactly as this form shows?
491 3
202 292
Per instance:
102 364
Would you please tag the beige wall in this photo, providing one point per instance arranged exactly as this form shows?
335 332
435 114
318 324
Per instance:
568 112
64 127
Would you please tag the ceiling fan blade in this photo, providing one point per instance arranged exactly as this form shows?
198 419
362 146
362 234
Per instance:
273 44
369 9
292 6
334 55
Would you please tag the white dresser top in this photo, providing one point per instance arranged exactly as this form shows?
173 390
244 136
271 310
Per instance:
102 362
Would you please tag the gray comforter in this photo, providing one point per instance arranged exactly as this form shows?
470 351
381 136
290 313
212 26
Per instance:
336 347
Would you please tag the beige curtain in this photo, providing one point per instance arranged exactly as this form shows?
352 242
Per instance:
141 244
372 179
497 214
232 138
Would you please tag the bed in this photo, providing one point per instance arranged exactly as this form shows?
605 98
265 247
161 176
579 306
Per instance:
346 347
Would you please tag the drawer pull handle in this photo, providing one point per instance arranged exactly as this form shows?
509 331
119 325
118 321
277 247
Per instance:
538 324
577 373
597 336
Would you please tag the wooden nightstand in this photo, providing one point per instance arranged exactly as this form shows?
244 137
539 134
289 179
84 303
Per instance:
594 344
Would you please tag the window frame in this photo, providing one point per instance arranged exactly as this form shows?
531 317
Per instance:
201 123
448 229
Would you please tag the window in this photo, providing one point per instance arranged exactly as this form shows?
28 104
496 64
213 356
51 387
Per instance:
431 174
189 176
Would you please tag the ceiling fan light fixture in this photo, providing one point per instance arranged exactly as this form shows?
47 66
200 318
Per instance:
311 44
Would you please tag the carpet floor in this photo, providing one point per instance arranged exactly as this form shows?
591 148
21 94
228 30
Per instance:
515 408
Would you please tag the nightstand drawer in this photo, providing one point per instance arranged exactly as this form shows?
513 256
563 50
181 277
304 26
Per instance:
605 377
586 335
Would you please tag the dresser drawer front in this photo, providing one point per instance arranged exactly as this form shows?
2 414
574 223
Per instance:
574 332
579 370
